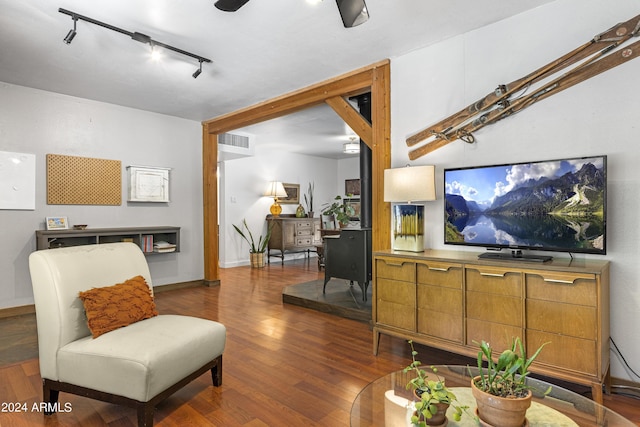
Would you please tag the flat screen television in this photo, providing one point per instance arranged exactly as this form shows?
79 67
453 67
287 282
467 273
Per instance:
550 205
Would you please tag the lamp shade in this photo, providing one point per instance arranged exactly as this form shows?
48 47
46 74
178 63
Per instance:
410 184
275 189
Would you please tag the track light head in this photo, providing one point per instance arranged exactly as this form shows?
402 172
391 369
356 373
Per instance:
72 33
198 71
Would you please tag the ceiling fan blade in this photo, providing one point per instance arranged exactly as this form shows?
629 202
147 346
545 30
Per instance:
230 5
353 12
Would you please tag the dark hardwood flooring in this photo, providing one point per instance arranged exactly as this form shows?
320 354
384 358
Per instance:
284 365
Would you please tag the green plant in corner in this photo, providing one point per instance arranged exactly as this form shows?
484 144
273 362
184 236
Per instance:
433 394
508 376
261 246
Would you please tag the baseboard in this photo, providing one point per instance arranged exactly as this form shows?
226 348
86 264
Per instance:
17 311
181 285
31 308
621 386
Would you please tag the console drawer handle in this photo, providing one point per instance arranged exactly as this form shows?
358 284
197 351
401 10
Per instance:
438 269
492 274
393 264
564 282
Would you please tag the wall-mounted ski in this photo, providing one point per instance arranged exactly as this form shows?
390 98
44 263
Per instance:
596 55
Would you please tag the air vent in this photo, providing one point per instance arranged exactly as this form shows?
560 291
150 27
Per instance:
233 140
235 145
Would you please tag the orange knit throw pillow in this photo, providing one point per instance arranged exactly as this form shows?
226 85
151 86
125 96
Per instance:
113 307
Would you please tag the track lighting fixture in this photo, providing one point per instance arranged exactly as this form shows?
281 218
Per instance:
72 33
139 37
198 71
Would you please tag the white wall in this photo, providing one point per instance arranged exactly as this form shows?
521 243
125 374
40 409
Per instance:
599 116
244 180
40 123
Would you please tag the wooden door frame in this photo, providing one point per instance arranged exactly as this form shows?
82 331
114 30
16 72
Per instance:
334 92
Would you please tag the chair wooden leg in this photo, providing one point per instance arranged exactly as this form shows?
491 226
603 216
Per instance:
49 396
145 415
216 372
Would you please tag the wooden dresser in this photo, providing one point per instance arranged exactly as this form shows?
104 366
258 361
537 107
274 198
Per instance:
451 300
291 234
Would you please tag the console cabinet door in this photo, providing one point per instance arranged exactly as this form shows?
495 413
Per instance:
396 294
439 300
288 234
562 310
494 305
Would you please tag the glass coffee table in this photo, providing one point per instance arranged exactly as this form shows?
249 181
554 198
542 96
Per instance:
387 402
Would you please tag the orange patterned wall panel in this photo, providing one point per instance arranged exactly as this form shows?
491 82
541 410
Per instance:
83 181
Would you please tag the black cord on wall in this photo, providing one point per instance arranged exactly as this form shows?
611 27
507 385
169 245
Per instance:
620 389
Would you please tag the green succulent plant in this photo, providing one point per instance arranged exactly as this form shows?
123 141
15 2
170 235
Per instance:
508 376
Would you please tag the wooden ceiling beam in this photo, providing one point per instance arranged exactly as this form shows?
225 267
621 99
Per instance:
351 84
352 118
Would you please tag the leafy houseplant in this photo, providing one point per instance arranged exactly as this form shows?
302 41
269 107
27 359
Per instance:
435 397
506 381
339 210
261 246
256 251
308 199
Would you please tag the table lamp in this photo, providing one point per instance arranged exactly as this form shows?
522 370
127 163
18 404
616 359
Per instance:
275 189
406 185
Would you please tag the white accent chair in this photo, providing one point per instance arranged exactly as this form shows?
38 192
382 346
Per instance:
138 365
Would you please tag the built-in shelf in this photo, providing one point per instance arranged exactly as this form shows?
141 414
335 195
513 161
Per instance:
51 239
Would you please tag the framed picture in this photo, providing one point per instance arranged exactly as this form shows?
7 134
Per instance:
148 184
57 223
293 194
352 187
355 204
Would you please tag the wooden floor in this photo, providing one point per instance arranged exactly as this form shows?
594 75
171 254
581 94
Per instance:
284 365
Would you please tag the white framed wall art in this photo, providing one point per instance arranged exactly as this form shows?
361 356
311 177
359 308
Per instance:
148 184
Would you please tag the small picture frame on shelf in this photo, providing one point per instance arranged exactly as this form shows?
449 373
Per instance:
57 223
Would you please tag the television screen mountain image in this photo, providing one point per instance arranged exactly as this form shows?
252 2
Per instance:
557 205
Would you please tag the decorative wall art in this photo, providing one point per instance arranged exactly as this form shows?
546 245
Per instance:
83 181
17 181
293 194
148 184
352 187
355 204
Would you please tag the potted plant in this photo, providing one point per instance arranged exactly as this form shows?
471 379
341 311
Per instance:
501 391
341 212
434 397
308 200
256 251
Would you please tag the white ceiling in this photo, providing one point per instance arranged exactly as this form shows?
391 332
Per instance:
265 49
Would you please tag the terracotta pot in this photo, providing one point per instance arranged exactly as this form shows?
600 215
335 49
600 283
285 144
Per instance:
439 419
500 411
257 259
